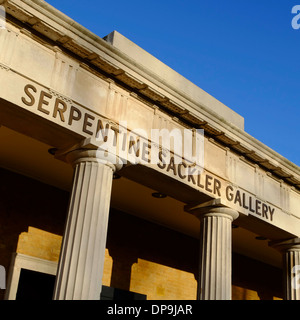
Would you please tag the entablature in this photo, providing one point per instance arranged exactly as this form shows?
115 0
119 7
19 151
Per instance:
38 20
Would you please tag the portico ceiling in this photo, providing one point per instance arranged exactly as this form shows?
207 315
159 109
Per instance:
31 158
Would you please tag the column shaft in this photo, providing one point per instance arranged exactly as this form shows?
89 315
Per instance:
80 269
291 267
214 281
215 258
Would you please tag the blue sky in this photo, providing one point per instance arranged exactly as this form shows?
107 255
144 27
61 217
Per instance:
244 53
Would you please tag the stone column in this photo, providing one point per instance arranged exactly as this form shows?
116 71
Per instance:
80 269
290 250
215 274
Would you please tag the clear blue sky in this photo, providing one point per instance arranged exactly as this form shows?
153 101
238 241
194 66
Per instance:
244 53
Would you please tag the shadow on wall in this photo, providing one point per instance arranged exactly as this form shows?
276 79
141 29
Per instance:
255 280
163 264
26 202
150 259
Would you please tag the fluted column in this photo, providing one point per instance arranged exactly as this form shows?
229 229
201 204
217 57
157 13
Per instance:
290 250
80 268
215 273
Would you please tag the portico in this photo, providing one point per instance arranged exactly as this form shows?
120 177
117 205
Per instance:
65 89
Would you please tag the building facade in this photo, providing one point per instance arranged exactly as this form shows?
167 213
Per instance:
123 180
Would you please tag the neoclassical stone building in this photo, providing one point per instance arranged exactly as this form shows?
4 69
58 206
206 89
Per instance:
78 221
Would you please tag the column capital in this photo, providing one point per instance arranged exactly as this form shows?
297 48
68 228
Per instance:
212 208
286 245
87 151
